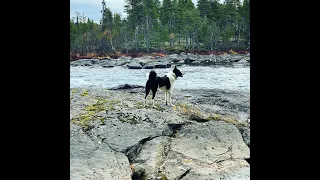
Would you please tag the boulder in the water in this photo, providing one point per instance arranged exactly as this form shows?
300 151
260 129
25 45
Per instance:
134 65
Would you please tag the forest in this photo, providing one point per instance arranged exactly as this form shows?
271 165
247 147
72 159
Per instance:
167 26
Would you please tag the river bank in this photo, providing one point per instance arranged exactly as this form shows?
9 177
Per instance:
206 135
150 62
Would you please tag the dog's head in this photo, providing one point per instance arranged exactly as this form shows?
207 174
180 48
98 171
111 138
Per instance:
177 72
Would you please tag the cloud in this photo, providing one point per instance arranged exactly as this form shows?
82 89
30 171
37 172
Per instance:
92 8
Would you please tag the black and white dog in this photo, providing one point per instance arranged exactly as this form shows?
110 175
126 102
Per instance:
164 83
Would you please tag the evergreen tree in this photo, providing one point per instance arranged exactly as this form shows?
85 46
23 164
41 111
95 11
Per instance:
152 24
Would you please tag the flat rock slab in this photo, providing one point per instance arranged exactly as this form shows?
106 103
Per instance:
125 137
151 156
237 170
209 150
210 142
227 102
134 65
89 160
135 141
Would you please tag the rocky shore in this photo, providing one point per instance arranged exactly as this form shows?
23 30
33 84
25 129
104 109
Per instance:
113 136
149 62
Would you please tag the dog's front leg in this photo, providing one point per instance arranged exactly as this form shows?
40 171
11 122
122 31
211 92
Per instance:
165 97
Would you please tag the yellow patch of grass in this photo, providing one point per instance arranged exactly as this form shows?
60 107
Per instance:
187 160
188 110
85 93
91 112
226 119
140 105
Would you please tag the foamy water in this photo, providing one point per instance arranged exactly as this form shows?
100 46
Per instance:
231 78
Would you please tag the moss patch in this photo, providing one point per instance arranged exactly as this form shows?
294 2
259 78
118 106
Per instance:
214 117
188 110
161 176
102 119
85 93
97 107
226 119
128 118
196 114
140 105
131 120
82 120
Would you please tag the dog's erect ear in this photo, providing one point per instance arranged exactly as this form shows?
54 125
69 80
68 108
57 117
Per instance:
175 67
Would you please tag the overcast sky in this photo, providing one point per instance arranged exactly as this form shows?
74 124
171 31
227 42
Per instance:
92 8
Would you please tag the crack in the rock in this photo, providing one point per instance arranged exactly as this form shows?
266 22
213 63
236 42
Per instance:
98 136
102 141
167 147
194 160
231 155
229 149
111 147
184 174
206 163
173 128
219 161
95 149
215 135
88 132
132 151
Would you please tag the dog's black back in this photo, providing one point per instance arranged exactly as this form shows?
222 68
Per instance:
163 81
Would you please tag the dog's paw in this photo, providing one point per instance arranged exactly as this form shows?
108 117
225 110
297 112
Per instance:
154 107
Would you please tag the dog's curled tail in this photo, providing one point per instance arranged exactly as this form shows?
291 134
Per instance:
152 75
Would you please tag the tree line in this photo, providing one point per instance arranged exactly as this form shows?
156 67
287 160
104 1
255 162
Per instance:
169 25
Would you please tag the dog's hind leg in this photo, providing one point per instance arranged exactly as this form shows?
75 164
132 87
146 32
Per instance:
154 91
147 92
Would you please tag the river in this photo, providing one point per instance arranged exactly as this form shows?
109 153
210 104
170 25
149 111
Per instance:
229 78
